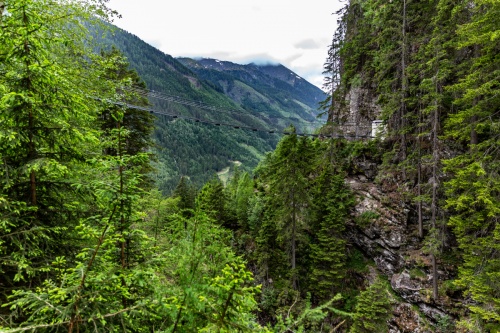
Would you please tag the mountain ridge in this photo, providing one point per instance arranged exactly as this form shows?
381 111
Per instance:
199 151
283 89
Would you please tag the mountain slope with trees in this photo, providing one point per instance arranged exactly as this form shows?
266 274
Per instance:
394 234
199 151
429 71
271 89
85 244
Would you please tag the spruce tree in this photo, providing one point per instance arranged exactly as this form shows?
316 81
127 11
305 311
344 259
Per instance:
372 309
186 192
212 200
332 203
286 173
47 115
137 124
472 192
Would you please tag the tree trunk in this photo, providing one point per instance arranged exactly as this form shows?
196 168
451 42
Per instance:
435 158
31 122
2 7
434 279
419 204
473 134
33 188
419 177
121 228
403 91
294 227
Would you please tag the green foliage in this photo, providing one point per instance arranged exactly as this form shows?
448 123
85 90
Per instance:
473 190
213 200
445 325
231 301
472 194
208 284
333 202
372 309
366 218
434 67
240 193
47 134
184 148
83 247
309 319
285 172
138 123
186 193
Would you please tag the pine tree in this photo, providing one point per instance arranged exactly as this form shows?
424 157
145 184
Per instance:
332 202
47 115
372 309
286 173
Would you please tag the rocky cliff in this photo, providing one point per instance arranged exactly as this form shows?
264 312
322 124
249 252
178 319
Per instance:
384 228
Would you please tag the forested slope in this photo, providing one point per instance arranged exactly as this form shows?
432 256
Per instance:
273 90
196 150
430 71
83 236
394 234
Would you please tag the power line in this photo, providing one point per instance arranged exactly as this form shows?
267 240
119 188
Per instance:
181 100
194 103
208 107
198 104
234 126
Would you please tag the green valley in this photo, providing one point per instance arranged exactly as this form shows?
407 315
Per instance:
144 193
268 100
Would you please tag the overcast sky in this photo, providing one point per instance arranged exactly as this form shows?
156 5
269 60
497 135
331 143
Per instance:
293 33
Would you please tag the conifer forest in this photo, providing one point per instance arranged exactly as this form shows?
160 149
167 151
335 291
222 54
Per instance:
117 219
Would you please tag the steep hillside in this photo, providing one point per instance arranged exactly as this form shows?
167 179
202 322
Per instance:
270 89
429 71
198 150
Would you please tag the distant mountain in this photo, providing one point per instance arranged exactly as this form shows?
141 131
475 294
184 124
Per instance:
247 95
271 89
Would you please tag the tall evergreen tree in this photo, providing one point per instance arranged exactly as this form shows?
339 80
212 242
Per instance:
286 173
186 192
332 202
212 200
472 193
138 123
48 131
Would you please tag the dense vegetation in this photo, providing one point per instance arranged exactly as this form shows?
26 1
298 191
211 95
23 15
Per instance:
186 148
433 68
88 244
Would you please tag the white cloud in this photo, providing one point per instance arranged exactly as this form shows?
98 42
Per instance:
308 44
294 33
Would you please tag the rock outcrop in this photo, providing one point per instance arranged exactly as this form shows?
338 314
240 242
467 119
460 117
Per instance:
381 228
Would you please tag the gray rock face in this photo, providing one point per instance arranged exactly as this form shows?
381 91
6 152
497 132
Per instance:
362 110
379 228
406 320
383 229
432 312
406 287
